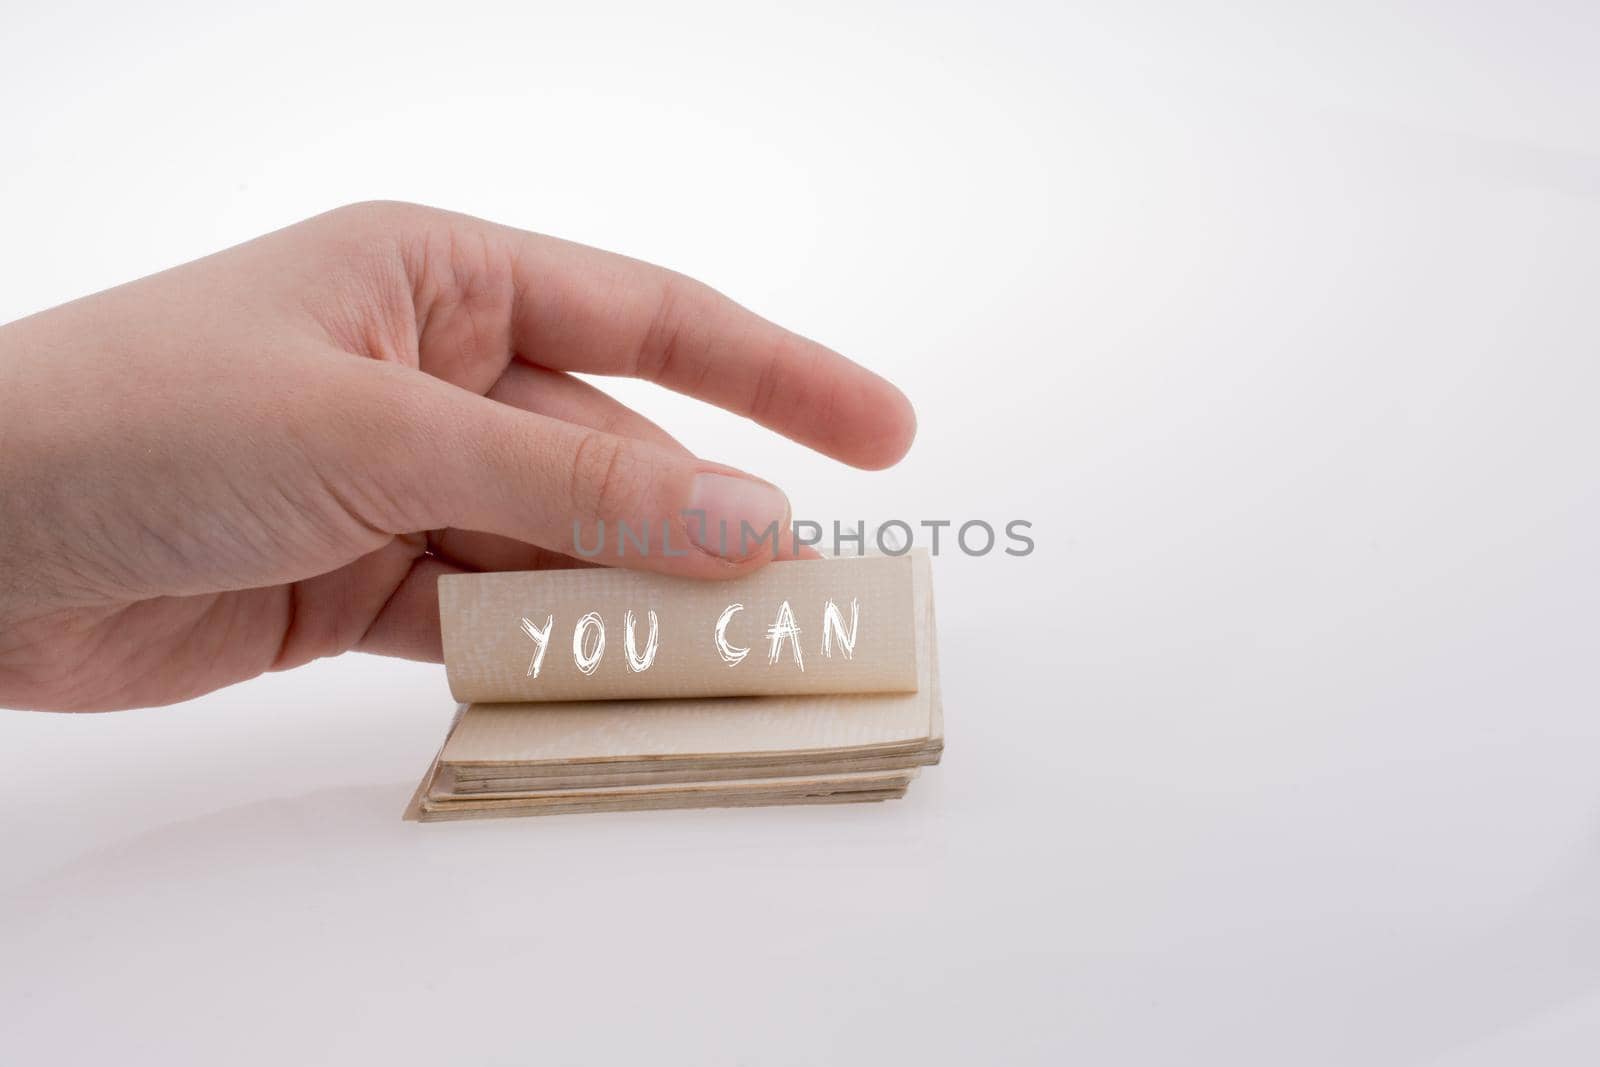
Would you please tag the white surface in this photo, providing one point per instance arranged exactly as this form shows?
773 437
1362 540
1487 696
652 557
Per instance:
1281 327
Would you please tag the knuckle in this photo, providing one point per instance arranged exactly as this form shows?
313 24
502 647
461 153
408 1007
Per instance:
377 214
359 437
766 392
376 230
661 348
605 476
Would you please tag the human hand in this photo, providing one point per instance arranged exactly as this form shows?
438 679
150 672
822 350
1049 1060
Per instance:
271 454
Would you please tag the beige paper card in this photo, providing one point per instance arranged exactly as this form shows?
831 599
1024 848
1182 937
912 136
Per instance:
716 730
794 627
580 733
685 747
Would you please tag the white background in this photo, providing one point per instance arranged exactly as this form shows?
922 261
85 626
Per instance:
1279 324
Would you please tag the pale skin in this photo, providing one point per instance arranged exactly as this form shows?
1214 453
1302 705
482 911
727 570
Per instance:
270 455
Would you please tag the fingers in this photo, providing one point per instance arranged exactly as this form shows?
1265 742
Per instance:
327 613
407 626
561 396
474 550
586 310
447 457
579 309
558 396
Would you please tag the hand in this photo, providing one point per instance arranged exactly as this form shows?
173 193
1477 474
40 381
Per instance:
271 455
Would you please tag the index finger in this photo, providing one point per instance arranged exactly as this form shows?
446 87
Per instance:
580 309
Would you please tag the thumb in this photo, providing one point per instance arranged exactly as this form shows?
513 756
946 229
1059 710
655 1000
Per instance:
457 459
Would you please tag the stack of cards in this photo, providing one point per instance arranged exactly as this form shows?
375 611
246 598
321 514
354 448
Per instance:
809 682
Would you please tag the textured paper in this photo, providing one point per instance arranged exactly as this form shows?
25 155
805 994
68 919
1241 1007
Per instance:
796 784
546 758
635 730
451 782
488 656
428 811
774 728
